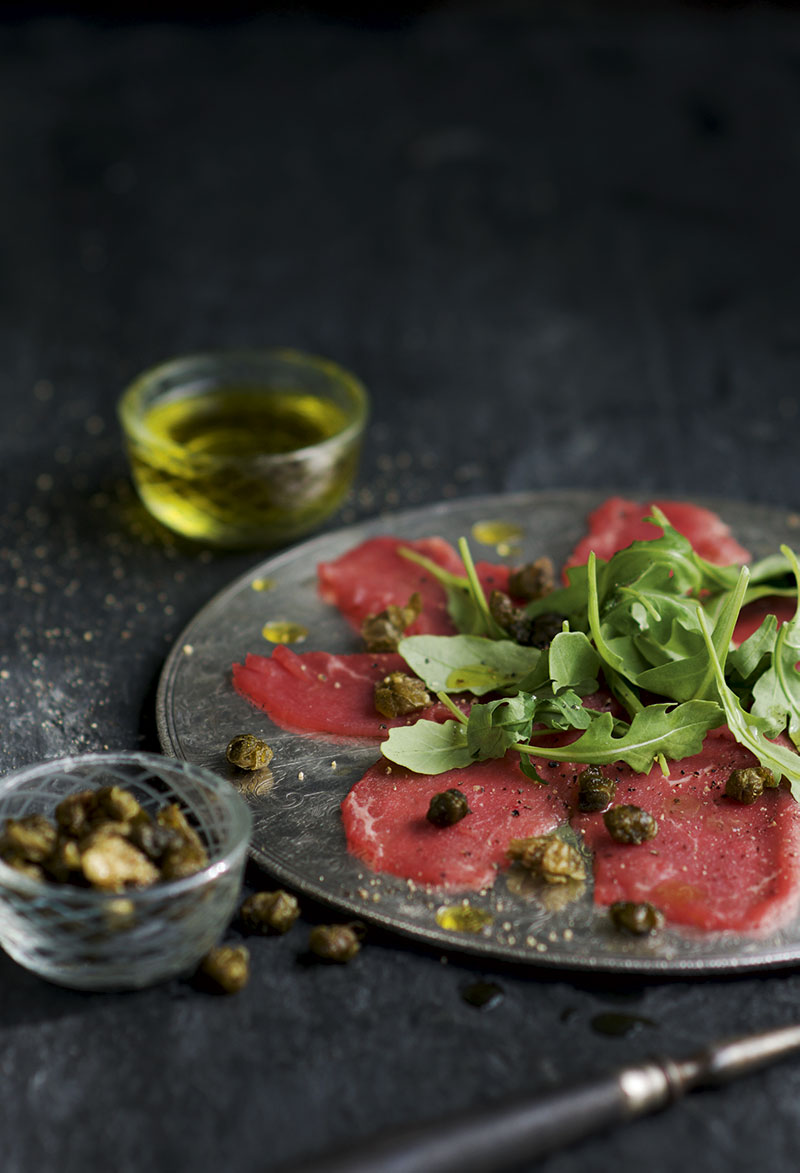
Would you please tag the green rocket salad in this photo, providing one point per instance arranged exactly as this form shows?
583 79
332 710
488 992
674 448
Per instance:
654 623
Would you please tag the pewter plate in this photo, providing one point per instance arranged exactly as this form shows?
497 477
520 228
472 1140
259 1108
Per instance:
298 835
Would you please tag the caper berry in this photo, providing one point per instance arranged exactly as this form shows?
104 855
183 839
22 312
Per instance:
248 752
630 824
398 694
595 790
383 632
338 943
548 857
269 912
447 807
748 784
637 919
532 581
225 969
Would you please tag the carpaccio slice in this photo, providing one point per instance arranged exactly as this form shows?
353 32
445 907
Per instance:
384 819
618 522
715 863
367 579
317 692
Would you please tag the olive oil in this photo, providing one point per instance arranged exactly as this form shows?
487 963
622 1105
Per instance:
238 466
503 535
463 918
283 631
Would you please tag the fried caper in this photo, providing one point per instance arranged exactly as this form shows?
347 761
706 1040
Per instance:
398 694
225 969
748 784
338 943
117 804
595 790
532 581
548 857
269 912
637 919
75 812
630 824
112 863
383 632
248 752
534 633
31 838
447 807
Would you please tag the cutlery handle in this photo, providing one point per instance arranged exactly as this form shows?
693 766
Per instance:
499 1135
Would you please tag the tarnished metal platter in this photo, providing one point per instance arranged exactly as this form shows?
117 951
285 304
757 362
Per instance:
298 835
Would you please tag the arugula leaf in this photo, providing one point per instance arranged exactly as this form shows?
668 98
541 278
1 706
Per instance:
466 602
458 663
776 693
573 663
674 731
429 747
752 657
748 729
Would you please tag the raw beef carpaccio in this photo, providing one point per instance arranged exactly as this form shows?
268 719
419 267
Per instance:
385 821
715 863
318 692
618 522
367 579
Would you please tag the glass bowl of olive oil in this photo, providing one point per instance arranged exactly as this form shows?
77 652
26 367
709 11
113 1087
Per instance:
244 448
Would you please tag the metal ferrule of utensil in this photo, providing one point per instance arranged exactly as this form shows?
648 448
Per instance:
497 1136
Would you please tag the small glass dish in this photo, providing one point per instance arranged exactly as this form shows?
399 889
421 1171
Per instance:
99 940
244 448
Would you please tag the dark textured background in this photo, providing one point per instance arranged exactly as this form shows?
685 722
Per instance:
560 246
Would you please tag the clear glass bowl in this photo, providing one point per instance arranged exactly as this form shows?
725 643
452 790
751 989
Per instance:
244 448
96 940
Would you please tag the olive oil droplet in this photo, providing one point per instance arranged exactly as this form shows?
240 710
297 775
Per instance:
284 632
463 918
613 1023
505 536
262 584
482 995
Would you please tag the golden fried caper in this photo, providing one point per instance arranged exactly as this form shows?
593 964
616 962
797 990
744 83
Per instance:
447 807
630 824
595 790
338 943
748 784
532 581
31 838
399 694
269 912
548 857
248 752
225 969
637 919
383 632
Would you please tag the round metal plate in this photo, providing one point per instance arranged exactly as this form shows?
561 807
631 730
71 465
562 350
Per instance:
298 834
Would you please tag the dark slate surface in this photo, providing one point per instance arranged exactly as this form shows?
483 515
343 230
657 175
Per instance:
561 251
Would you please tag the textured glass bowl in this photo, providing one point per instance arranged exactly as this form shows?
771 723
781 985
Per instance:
244 448
96 940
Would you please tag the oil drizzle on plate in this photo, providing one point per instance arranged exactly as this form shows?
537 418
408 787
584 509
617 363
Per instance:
483 995
282 631
611 1022
505 536
463 918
